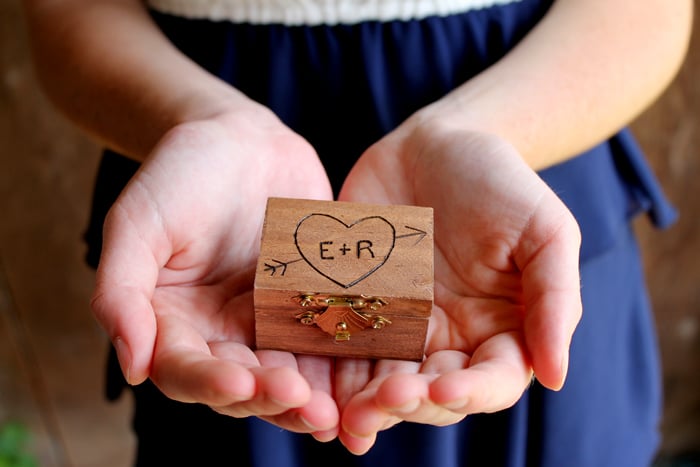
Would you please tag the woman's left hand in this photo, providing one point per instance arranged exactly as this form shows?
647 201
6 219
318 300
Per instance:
507 296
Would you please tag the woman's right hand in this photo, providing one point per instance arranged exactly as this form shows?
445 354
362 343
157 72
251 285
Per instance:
175 282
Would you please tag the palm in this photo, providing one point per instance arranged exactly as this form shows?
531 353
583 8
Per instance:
176 275
506 287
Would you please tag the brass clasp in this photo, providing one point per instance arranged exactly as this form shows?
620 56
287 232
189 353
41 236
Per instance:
340 316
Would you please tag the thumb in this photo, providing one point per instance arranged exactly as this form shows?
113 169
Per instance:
121 303
549 262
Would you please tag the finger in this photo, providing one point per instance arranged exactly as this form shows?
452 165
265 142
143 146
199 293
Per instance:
235 352
185 369
362 418
351 377
318 417
322 412
356 444
326 436
407 396
121 303
279 387
496 378
277 390
318 371
548 259
127 317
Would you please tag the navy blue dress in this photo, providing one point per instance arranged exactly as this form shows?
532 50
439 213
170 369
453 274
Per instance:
345 86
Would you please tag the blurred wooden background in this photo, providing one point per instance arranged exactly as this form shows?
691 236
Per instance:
669 132
52 353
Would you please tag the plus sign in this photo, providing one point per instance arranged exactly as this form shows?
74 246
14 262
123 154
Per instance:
345 249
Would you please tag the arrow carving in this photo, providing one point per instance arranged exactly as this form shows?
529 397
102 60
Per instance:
277 265
416 232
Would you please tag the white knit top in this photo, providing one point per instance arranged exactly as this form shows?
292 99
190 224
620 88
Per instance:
314 12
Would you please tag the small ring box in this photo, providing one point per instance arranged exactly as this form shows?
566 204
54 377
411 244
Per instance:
344 279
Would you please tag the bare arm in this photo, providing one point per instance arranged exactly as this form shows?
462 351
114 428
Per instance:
106 65
174 285
585 71
588 69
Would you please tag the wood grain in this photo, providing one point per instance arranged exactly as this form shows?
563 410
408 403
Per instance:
345 249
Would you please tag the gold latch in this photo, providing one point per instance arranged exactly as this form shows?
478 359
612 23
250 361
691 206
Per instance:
340 316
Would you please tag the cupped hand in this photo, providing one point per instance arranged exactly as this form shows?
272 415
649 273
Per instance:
174 285
507 296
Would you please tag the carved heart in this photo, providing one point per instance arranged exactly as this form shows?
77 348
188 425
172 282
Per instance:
344 254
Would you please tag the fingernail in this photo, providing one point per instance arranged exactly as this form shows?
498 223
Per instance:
564 370
124 357
325 436
356 435
407 408
310 426
455 404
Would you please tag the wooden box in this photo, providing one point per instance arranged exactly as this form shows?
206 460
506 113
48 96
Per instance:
344 279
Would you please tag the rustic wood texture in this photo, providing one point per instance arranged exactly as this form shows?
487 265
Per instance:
669 133
345 249
52 353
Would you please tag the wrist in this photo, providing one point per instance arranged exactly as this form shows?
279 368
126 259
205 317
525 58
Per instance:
216 100
470 111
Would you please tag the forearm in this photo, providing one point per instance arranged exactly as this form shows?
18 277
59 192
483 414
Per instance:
106 65
588 69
